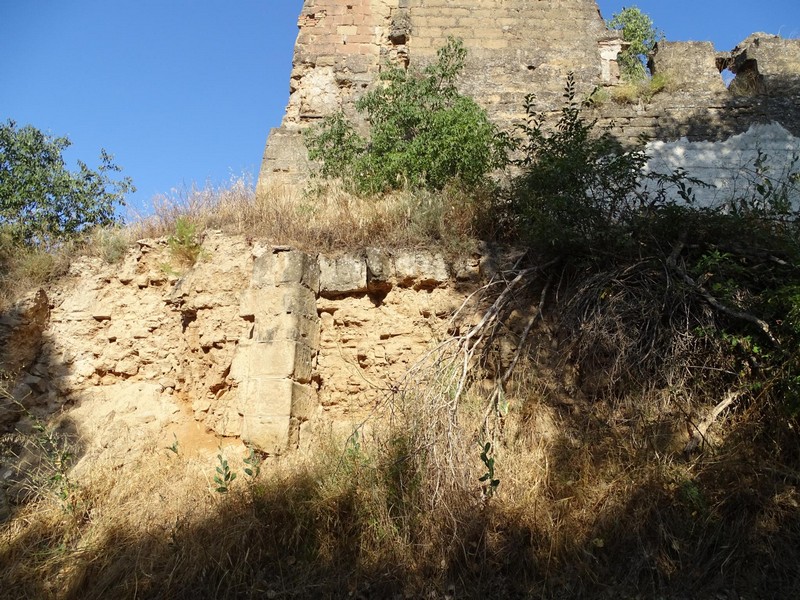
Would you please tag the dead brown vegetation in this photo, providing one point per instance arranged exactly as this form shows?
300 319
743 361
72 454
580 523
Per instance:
597 497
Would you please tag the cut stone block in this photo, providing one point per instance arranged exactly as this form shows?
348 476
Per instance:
343 275
268 302
269 433
421 269
272 359
276 397
284 268
288 327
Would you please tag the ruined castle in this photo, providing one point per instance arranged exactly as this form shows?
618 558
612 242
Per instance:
521 46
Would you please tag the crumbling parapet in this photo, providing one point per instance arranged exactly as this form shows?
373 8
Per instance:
766 64
688 66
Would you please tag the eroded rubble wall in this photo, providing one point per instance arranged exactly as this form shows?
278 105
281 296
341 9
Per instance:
258 343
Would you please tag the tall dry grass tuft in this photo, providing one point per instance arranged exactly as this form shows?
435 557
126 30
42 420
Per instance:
326 218
24 268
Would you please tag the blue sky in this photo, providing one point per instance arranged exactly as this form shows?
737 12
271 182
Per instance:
185 91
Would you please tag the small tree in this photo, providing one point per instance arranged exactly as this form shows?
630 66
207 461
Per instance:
639 31
41 201
423 132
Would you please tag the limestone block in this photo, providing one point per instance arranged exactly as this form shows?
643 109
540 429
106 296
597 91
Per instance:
346 274
282 268
272 359
269 433
287 327
102 312
379 265
420 269
276 397
127 366
265 303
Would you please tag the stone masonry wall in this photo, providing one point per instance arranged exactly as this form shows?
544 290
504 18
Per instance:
517 47
712 132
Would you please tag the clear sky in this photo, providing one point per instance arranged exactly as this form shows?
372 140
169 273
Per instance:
185 91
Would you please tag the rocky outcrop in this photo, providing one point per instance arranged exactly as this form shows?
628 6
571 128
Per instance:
21 330
258 343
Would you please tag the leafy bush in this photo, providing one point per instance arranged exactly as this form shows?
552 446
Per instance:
638 30
41 201
422 133
575 187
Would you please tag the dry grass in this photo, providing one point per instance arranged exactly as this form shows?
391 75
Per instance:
326 218
596 498
632 92
23 269
590 505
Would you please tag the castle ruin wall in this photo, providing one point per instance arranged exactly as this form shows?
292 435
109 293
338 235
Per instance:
517 47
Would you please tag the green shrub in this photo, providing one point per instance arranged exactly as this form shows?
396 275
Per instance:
575 188
641 34
184 244
422 133
41 201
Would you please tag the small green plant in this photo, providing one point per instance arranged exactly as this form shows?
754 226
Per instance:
184 244
224 476
174 447
692 496
769 195
641 34
488 479
253 461
423 133
599 97
55 457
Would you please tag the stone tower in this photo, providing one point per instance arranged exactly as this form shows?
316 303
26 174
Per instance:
521 46
515 47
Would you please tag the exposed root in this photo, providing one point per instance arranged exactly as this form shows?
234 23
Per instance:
698 432
714 302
